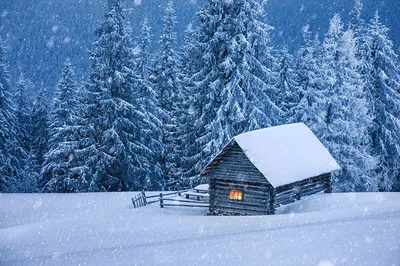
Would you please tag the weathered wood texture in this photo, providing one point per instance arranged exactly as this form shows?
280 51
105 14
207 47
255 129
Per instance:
232 170
233 164
139 200
294 191
255 199
182 203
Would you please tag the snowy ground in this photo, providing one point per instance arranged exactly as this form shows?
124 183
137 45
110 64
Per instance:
104 229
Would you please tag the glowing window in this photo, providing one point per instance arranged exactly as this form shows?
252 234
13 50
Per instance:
236 195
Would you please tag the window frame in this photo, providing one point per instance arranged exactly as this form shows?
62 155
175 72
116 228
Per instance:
236 194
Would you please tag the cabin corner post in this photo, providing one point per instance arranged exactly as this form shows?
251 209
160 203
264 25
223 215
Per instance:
328 184
272 195
212 195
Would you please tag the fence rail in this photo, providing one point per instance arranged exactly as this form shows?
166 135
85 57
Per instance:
141 200
168 194
180 202
184 200
184 205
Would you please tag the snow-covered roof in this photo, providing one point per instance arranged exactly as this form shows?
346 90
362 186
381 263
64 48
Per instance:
286 154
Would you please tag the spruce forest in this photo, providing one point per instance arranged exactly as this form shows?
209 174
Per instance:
152 120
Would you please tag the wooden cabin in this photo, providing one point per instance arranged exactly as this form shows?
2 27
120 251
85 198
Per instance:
262 169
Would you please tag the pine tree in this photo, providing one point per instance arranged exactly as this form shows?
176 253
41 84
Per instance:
86 152
23 110
111 121
287 88
40 127
39 141
11 151
166 80
65 101
357 25
57 172
186 145
345 126
356 22
309 94
382 81
28 178
232 83
146 98
28 182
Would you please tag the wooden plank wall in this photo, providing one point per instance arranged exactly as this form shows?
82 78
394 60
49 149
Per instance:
235 171
235 165
292 192
256 197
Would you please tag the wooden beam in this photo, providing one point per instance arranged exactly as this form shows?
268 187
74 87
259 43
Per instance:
229 203
185 205
271 208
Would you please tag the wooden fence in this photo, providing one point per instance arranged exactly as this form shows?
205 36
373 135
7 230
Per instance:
139 200
180 202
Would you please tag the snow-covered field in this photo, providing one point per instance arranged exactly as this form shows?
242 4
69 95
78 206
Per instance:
104 229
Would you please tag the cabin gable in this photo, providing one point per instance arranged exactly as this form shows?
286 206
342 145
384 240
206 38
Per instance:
233 164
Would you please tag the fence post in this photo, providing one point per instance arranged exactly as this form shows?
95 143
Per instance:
161 201
133 202
144 198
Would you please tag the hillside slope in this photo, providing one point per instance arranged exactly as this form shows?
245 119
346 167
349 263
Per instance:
104 229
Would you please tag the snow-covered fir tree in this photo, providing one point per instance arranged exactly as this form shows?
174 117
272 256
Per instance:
57 172
111 118
40 127
27 178
86 152
187 146
356 22
64 105
40 138
12 154
357 25
344 129
147 100
309 94
287 88
232 83
23 110
28 181
383 86
166 80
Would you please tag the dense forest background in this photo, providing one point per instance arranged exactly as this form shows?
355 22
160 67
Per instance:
146 99
40 34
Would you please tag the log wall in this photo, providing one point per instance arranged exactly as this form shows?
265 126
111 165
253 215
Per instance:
235 172
295 191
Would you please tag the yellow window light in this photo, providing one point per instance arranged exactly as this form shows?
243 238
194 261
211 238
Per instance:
236 195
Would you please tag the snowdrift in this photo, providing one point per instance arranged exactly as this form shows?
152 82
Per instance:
104 229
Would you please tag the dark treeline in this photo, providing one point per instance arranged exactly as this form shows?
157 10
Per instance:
145 121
